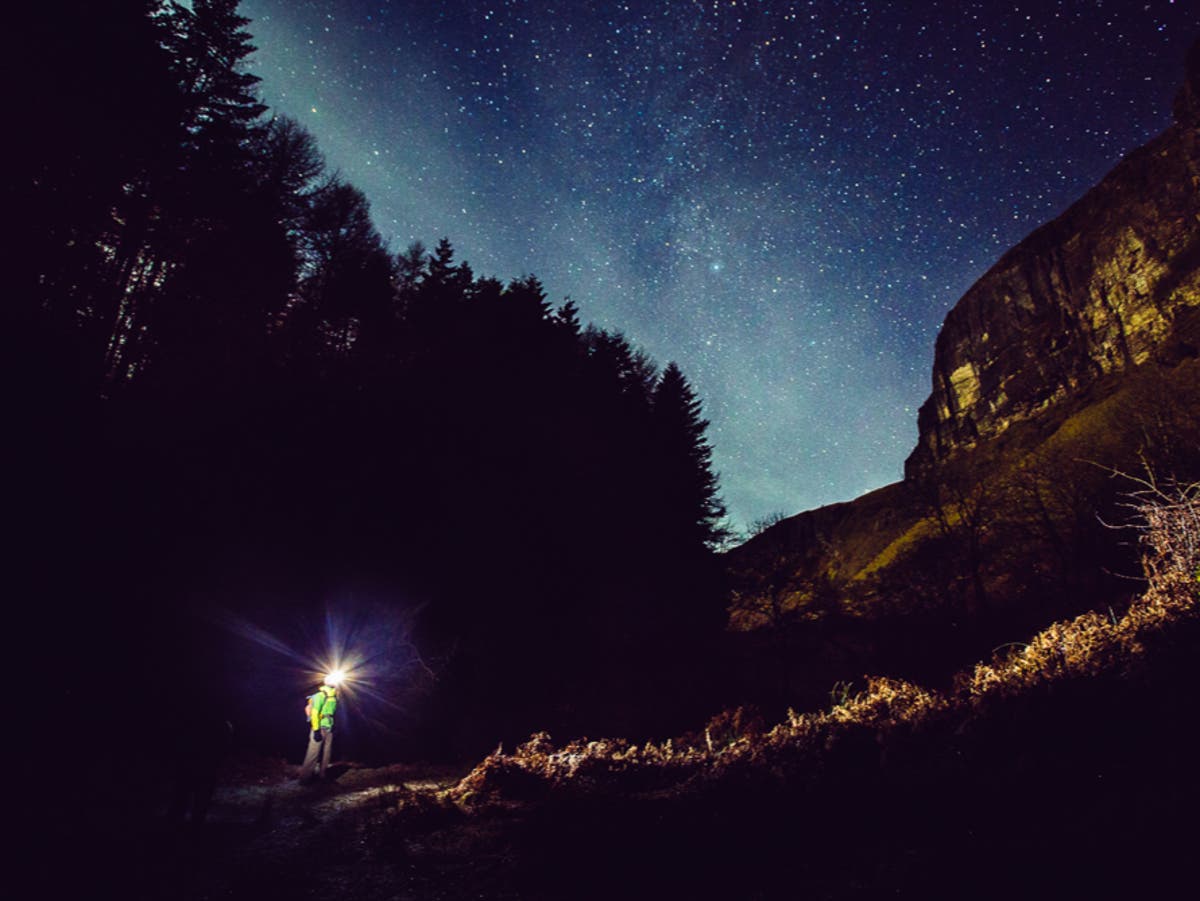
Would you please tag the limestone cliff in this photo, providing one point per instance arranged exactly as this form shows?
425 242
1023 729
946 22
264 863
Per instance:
1111 283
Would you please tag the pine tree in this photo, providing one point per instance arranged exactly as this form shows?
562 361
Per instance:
616 359
567 317
434 309
688 487
411 269
195 206
209 45
441 263
526 303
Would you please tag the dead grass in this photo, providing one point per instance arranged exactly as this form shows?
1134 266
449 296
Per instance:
1088 646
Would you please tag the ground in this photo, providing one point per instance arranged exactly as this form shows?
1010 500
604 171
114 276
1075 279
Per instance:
365 833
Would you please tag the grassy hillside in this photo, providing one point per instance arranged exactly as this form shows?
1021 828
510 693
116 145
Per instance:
1003 527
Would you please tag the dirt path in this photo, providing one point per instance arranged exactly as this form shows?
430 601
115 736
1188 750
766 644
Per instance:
366 833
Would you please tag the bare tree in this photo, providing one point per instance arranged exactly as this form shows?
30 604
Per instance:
965 507
763 523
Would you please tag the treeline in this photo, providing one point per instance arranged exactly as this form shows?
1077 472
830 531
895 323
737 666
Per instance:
228 388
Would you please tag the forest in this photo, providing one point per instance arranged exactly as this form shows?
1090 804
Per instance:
234 403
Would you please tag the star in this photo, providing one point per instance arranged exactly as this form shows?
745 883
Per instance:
847 170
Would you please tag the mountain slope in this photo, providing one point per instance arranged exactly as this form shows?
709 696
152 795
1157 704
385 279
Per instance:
1076 355
1110 284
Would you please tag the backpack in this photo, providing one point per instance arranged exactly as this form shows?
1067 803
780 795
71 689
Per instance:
308 705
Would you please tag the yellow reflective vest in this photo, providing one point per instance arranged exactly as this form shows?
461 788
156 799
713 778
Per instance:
324 705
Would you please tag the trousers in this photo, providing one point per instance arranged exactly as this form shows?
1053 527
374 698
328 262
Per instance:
316 758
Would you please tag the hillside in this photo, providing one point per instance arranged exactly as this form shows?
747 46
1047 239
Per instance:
1110 285
1062 767
1073 357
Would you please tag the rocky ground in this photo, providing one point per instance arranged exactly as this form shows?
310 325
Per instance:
364 833
1103 827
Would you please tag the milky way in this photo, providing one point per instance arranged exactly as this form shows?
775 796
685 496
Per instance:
784 198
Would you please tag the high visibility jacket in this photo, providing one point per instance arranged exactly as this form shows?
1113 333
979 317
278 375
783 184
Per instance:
324 705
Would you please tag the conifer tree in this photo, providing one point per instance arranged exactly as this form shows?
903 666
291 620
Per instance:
567 317
630 368
411 268
209 44
434 313
195 207
442 269
689 487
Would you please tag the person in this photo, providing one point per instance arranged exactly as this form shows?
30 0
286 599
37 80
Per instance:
321 708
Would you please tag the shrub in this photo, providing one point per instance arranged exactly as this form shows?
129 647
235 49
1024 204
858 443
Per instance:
1169 521
736 741
730 725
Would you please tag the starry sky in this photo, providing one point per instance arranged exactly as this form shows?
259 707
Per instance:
785 198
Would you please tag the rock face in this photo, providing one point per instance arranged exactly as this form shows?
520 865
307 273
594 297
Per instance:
1110 284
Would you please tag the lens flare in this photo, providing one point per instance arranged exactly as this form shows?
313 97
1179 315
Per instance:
363 648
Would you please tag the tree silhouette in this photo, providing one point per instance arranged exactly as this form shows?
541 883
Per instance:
346 280
689 486
239 387
93 125
208 44
190 211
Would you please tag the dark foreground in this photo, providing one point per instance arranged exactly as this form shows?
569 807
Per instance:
1097 807
1066 768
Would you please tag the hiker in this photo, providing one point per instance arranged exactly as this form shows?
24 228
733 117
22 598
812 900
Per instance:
320 710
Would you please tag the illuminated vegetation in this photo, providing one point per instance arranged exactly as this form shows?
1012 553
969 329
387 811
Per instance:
1076 740
888 711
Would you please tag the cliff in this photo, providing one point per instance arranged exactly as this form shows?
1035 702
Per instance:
1077 355
1110 284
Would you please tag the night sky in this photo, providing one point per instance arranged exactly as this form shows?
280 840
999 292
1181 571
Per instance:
784 198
